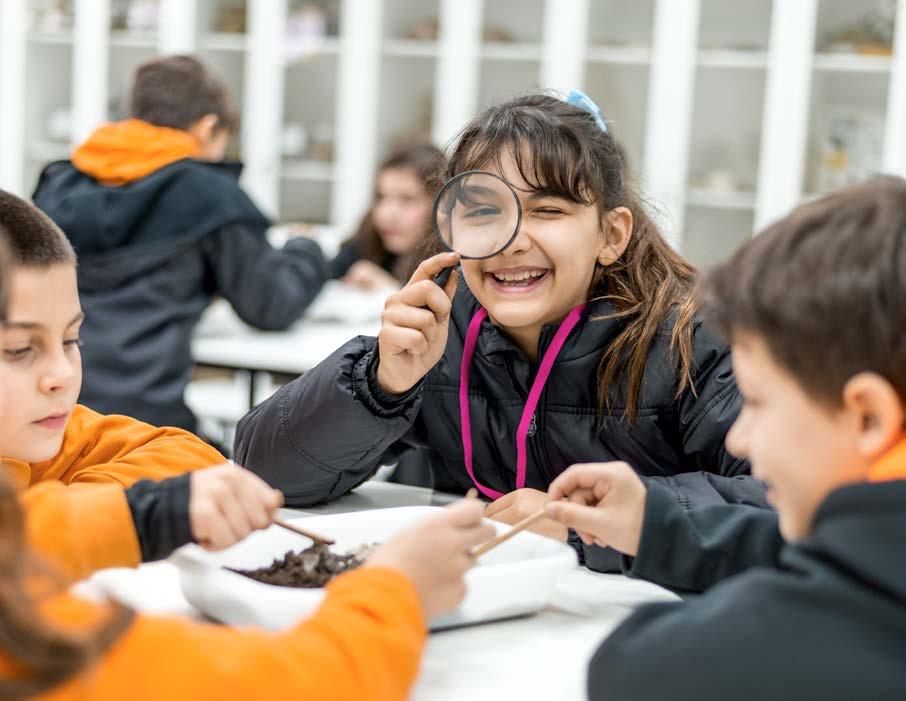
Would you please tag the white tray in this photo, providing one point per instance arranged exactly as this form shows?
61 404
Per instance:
514 579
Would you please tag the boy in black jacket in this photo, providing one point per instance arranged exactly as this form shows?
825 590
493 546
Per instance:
817 609
160 226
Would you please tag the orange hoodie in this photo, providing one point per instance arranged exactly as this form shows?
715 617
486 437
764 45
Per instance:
67 521
364 642
121 152
891 466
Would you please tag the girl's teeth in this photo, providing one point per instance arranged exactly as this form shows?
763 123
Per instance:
517 277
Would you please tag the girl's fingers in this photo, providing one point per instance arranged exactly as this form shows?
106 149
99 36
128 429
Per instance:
411 317
424 294
403 340
430 268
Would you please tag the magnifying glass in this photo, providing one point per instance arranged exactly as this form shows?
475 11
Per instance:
477 215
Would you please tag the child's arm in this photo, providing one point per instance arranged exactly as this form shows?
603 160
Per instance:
268 288
687 550
284 439
80 531
364 642
102 449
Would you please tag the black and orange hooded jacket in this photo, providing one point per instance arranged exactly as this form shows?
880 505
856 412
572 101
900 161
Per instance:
158 234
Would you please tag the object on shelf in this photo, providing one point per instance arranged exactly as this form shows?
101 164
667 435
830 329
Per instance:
59 125
423 30
53 16
493 34
719 180
322 139
870 34
306 30
293 140
849 147
134 15
231 19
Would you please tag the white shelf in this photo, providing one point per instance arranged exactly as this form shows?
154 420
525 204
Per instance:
307 169
628 55
852 63
742 200
328 46
732 58
61 37
410 48
48 151
510 51
223 41
125 39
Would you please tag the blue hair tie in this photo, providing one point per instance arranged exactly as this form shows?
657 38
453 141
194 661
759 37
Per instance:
579 99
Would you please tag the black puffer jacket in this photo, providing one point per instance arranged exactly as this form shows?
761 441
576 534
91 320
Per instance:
152 254
327 431
822 618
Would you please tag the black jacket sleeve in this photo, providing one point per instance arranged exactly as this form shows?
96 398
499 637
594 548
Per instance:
348 254
160 512
692 549
268 288
285 442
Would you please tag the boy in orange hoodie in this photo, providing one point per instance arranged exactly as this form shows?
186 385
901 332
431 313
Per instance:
57 447
365 640
161 226
808 602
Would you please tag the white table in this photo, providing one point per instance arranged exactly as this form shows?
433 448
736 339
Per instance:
537 657
338 314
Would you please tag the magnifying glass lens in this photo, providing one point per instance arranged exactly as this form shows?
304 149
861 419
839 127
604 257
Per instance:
476 214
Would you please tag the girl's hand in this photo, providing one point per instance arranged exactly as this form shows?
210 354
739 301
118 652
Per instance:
365 275
606 504
513 507
414 326
228 502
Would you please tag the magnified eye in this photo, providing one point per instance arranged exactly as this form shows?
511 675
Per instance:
483 212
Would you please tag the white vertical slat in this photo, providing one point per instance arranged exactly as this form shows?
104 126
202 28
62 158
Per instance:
669 118
13 31
178 27
456 78
564 42
90 57
784 133
895 137
262 113
357 109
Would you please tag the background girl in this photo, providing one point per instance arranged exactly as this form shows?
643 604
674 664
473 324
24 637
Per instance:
380 254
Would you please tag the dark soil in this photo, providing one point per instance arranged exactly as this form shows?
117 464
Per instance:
313 567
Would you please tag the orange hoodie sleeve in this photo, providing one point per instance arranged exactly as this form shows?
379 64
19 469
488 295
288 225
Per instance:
99 449
80 531
364 642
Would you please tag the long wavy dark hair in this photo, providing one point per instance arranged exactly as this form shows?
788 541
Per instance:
559 148
46 654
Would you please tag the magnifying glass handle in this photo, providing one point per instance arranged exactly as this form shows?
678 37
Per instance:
444 275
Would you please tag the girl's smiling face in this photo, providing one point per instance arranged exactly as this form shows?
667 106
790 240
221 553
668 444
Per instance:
548 269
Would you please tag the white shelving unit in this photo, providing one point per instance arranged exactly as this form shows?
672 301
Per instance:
723 106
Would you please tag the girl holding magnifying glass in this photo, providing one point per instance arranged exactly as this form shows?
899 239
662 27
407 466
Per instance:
569 336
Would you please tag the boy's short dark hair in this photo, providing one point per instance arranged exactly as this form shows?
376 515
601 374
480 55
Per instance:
177 91
825 288
31 236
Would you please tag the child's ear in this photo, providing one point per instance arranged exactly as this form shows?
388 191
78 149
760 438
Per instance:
203 128
876 407
617 227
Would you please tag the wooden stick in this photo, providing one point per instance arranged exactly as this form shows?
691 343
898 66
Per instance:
497 540
301 531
